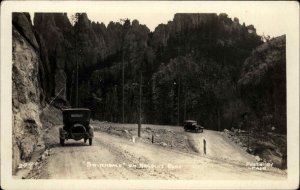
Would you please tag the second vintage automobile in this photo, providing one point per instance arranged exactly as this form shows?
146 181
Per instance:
191 125
76 125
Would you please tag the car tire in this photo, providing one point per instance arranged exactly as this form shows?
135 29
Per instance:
90 141
62 141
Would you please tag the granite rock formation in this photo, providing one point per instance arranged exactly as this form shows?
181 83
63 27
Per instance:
26 89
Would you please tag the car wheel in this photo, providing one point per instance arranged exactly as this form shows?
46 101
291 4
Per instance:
90 141
62 141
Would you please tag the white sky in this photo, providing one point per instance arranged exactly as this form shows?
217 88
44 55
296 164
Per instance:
270 18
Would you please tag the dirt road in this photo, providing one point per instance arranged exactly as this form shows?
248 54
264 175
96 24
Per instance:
114 157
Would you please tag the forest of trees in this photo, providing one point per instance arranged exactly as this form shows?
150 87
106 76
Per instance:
193 76
189 68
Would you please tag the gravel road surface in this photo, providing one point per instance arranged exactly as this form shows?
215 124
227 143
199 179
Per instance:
114 157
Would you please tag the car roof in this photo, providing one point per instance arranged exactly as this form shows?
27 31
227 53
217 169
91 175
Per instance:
190 121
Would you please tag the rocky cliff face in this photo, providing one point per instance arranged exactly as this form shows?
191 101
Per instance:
55 34
90 40
209 26
180 23
26 92
92 45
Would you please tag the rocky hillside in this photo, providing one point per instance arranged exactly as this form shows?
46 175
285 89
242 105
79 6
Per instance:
263 84
193 67
27 96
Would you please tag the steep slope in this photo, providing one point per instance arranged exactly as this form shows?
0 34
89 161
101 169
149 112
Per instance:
262 88
26 89
263 84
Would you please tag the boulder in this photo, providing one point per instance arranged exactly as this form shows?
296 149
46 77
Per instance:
257 158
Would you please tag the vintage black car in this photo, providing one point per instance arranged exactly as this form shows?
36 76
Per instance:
76 125
191 125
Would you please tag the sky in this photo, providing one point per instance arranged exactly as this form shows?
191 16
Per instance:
269 18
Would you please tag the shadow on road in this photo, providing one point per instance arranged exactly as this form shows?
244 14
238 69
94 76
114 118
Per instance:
69 144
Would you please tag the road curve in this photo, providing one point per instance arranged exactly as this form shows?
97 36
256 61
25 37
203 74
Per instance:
113 157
